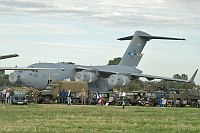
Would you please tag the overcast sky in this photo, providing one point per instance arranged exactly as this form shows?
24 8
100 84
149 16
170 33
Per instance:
85 32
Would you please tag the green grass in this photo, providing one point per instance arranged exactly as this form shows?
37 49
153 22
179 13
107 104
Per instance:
98 119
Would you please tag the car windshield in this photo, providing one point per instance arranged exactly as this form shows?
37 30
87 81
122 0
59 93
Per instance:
151 94
19 94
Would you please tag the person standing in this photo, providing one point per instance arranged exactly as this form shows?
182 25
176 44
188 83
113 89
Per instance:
123 103
123 94
69 99
63 96
123 99
164 101
97 97
7 97
83 96
2 97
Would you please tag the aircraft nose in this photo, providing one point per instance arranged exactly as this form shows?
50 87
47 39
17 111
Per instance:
14 77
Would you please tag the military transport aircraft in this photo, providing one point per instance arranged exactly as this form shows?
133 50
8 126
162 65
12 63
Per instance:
101 78
8 56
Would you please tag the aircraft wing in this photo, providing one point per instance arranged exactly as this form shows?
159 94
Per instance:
79 68
94 69
8 56
28 68
103 72
152 77
107 73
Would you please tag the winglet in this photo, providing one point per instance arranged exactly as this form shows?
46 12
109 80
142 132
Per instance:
193 76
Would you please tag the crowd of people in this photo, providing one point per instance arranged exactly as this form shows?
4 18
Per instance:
96 99
65 97
5 96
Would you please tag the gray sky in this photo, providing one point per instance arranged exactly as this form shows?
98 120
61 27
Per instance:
85 32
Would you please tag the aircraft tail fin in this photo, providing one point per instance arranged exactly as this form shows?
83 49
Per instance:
133 54
193 76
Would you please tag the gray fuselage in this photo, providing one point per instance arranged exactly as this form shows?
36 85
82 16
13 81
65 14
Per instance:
39 78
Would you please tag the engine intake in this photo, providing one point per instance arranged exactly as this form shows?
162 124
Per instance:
85 76
118 80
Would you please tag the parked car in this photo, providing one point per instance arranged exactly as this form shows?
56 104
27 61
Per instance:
19 98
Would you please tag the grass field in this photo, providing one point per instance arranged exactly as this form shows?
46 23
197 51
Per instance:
101 119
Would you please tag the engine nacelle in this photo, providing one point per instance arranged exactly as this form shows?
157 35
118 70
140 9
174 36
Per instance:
118 80
14 77
85 76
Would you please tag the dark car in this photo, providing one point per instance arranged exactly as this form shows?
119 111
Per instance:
19 98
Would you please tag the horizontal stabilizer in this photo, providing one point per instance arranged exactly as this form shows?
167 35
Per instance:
160 37
149 37
125 38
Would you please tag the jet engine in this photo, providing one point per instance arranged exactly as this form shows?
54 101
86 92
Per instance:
118 80
14 77
85 76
